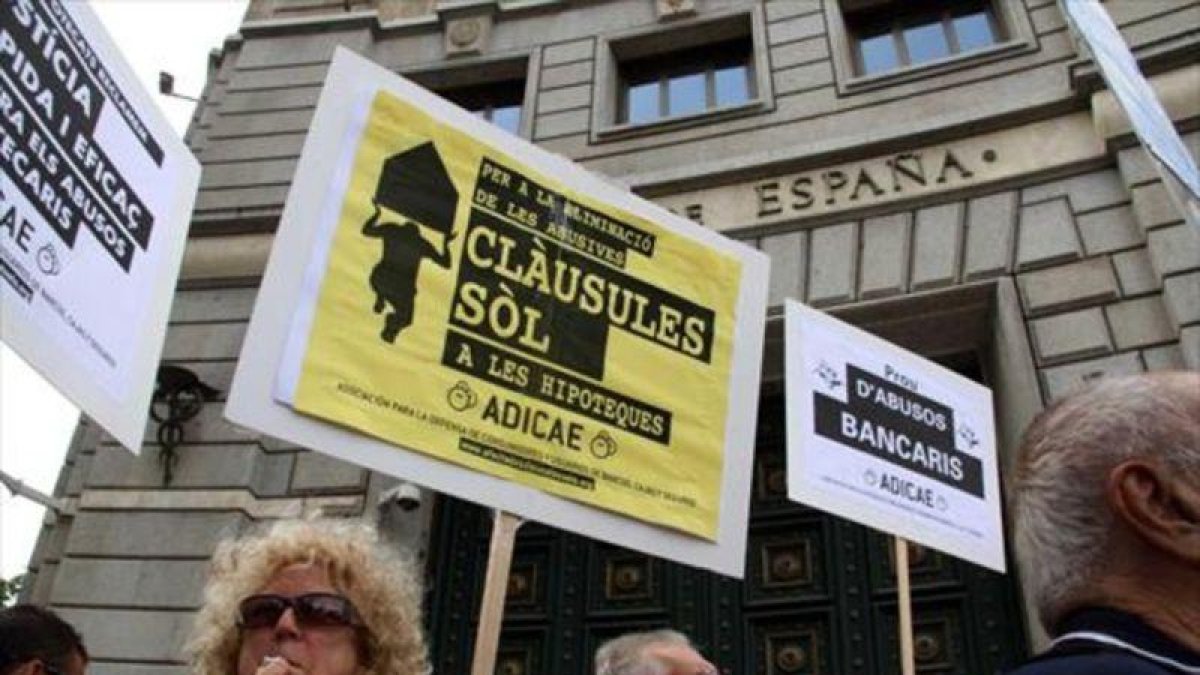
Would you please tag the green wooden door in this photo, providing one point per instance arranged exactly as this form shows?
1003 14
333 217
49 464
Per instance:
819 594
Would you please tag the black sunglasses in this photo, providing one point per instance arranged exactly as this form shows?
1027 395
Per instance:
312 610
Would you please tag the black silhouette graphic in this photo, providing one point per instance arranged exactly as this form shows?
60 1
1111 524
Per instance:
394 278
415 184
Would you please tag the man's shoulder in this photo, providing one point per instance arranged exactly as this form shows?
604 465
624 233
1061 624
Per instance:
1102 663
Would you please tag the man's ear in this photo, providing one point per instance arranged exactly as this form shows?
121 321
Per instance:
1160 507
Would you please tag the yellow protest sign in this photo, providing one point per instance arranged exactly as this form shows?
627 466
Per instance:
483 312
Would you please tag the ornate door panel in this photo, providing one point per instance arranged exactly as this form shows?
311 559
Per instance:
819 595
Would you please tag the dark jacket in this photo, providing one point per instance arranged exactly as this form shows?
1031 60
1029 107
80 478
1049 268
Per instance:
1082 655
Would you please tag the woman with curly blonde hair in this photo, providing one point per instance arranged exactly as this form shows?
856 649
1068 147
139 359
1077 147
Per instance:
316 597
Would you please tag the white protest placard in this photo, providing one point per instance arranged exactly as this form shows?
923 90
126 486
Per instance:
95 195
883 437
454 306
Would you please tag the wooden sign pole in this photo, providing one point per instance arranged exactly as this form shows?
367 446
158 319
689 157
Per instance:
491 611
907 663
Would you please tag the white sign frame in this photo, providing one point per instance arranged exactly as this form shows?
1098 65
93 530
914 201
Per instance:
849 482
251 401
106 366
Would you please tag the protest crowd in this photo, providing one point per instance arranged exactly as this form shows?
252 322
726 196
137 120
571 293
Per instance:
1106 513
764 337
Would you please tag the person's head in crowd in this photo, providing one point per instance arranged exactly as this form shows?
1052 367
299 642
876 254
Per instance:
318 597
660 652
1106 504
36 641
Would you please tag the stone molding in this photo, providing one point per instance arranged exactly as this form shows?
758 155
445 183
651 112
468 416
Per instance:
226 257
1176 91
215 500
973 162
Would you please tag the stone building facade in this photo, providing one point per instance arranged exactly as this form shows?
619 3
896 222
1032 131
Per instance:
986 206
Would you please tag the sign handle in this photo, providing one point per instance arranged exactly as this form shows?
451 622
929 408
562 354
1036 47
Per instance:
907 664
491 611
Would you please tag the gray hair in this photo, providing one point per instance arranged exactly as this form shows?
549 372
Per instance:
625 655
1060 516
